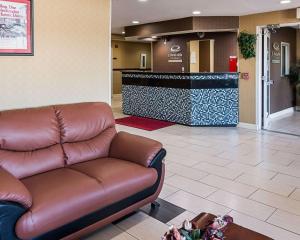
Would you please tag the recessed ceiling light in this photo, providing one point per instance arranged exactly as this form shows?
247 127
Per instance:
143 0
123 32
285 1
135 22
148 39
196 12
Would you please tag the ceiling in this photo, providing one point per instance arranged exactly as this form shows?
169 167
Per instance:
125 11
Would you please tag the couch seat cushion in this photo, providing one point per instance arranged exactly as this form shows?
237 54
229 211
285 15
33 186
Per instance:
59 197
120 179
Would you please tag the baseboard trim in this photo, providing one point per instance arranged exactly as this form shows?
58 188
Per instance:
282 113
248 126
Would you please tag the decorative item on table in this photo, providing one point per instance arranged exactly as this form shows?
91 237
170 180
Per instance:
215 230
173 234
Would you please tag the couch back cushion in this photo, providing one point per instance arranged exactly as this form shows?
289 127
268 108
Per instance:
30 141
87 130
38 140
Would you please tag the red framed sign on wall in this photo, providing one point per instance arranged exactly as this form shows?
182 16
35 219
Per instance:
16 27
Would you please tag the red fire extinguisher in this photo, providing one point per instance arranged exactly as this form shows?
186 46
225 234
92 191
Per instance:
233 64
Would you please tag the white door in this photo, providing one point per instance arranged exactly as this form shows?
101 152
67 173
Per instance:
266 81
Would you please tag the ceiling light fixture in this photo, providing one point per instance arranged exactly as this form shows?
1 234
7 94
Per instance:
148 39
123 32
143 0
285 1
196 13
135 22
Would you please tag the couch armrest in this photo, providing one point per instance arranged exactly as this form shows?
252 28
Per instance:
134 148
13 190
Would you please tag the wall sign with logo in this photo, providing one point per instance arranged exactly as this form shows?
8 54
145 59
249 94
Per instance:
275 53
175 54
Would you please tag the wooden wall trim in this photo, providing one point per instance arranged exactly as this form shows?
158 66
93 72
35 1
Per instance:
216 23
190 24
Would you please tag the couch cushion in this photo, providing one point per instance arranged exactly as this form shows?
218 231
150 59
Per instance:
64 195
97 147
87 130
28 129
83 121
59 197
119 178
30 141
25 164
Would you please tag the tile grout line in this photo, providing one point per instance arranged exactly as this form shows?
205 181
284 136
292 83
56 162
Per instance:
271 215
172 194
295 189
222 189
266 222
239 176
236 210
272 178
249 197
274 206
125 231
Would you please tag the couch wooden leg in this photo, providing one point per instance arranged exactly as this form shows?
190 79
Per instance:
155 205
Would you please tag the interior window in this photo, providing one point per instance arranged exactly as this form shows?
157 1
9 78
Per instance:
285 59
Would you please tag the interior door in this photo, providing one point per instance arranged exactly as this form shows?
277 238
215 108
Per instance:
266 81
206 56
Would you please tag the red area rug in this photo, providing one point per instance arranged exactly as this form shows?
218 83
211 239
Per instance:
143 123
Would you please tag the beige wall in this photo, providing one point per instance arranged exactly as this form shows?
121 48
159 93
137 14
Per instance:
127 55
72 57
248 87
130 53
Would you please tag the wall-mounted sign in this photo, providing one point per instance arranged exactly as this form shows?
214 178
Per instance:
275 53
193 59
175 54
276 61
175 49
276 46
245 76
16 27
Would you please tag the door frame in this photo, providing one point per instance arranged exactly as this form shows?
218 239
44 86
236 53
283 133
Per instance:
259 72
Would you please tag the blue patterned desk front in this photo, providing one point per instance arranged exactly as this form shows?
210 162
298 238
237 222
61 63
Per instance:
196 99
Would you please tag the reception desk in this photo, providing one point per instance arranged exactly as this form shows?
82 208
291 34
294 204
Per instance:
194 99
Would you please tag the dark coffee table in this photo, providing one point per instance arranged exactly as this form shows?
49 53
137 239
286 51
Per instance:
232 232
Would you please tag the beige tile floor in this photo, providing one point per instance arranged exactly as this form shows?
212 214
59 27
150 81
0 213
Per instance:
253 176
289 124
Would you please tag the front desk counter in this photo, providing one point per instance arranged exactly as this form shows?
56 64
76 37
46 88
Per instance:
194 99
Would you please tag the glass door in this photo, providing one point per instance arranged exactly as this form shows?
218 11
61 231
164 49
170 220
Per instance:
266 81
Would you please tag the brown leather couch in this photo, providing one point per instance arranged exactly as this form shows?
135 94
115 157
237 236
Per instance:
65 171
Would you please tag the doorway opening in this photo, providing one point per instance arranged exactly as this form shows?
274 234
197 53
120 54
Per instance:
127 56
279 81
201 55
